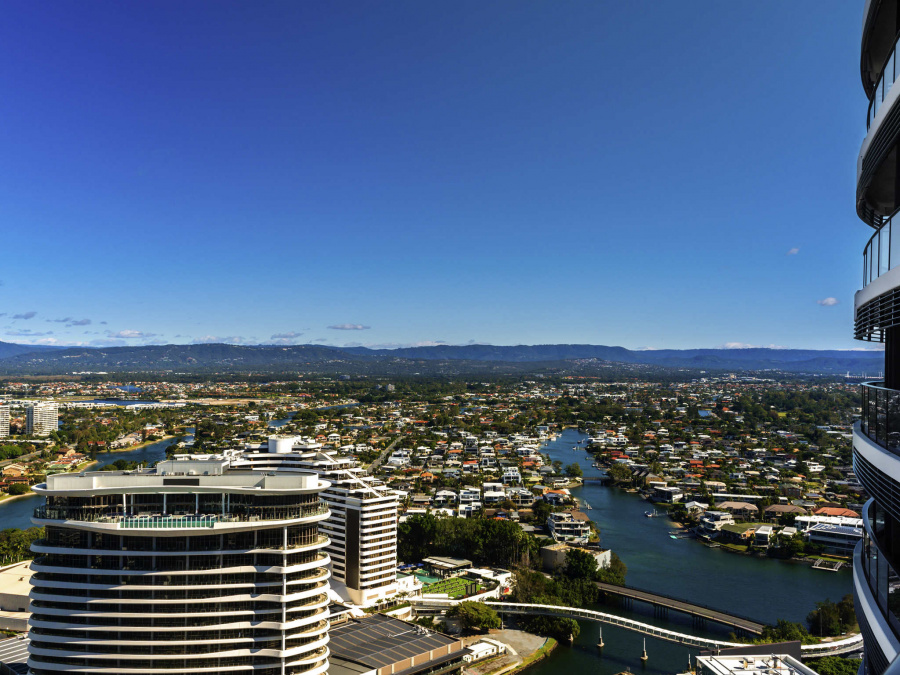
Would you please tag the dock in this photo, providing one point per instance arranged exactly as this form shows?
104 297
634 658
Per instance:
827 565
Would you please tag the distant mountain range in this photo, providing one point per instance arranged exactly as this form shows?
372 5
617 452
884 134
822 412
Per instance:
18 359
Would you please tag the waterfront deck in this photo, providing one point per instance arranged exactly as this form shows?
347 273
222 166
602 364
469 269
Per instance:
666 603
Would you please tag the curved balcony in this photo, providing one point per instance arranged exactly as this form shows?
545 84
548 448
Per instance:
882 252
882 88
880 419
879 26
158 521
877 589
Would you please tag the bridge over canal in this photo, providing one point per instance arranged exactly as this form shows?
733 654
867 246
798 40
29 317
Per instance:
845 646
700 613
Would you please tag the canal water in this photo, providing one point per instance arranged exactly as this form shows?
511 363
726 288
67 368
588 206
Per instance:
759 588
17 512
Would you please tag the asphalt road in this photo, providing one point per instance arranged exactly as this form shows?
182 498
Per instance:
380 459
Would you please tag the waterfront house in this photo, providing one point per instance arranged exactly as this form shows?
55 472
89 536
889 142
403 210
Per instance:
565 527
713 521
763 536
740 510
776 511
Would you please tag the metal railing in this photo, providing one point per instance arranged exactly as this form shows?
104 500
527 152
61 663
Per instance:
879 255
850 644
888 76
880 419
160 521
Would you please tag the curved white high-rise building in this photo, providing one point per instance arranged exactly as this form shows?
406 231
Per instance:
876 438
363 523
186 568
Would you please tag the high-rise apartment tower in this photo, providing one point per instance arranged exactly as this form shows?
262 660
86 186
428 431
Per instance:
4 420
362 527
185 568
876 438
42 418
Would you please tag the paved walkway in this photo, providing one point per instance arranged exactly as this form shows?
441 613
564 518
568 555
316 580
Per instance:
521 643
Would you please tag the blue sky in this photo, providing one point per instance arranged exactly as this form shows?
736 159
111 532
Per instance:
642 173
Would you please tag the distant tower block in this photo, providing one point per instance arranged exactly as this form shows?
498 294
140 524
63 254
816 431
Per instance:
4 420
41 418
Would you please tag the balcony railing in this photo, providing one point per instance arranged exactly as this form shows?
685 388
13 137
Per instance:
164 521
879 255
888 76
879 573
880 419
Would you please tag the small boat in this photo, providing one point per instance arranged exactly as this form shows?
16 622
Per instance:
672 536
651 514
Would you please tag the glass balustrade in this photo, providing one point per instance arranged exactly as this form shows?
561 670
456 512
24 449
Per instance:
882 253
888 76
880 574
880 419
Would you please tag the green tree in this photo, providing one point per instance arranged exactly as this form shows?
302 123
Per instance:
574 471
619 472
541 510
564 630
835 665
786 631
475 615
825 619
615 573
580 564
19 489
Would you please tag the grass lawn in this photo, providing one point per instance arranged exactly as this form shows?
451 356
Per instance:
453 587
545 649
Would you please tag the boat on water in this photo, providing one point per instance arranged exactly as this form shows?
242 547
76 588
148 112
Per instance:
651 514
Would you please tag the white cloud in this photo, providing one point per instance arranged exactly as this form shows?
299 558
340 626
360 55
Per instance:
349 326
25 315
289 338
747 345
69 321
793 251
130 334
828 302
216 339
27 333
400 345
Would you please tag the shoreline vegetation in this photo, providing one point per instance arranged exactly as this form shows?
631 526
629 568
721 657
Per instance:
11 498
137 446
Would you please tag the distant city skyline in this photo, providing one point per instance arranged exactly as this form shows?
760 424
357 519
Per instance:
640 174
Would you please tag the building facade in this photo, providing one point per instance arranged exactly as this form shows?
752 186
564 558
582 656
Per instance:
4 420
362 527
876 438
41 418
185 568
